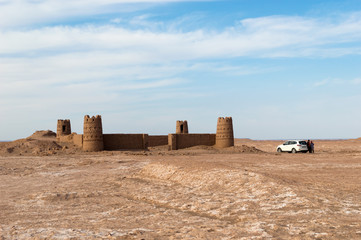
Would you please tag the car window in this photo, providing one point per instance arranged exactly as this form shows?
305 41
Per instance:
293 142
303 143
286 143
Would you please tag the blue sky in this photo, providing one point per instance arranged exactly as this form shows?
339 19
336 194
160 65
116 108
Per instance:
281 69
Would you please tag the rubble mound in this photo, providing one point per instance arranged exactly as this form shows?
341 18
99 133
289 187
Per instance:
39 143
42 134
30 146
245 149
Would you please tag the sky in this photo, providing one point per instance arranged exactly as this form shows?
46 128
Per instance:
282 69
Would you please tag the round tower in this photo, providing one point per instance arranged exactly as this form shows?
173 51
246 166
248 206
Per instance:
93 134
181 127
224 135
63 128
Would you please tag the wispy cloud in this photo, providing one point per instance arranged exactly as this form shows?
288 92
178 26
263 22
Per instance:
356 81
321 83
22 13
338 82
259 37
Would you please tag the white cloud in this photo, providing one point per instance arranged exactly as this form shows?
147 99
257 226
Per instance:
259 37
338 82
15 13
321 83
356 81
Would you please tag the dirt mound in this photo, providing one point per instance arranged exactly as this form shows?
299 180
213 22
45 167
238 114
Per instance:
39 143
244 149
43 134
30 146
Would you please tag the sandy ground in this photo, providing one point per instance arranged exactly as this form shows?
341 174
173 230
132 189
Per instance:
246 192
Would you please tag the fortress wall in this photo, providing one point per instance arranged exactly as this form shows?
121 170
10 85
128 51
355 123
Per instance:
125 141
65 138
78 140
179 141
157 140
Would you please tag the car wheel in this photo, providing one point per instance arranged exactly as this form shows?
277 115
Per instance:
293 150
279 150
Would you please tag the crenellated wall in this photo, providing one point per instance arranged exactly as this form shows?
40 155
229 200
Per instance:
94 140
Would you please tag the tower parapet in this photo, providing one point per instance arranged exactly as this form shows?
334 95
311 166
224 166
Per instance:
181 127
224 135
93 134
63 128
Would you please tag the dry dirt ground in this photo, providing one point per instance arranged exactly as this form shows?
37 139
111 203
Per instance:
248 192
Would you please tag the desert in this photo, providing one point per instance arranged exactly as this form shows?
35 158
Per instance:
54 190
180 119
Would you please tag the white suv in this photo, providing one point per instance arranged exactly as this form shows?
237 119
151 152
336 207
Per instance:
293 146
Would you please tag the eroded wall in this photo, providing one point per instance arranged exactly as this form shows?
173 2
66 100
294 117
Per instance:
179 141
65 138
157 140
78 140
125 141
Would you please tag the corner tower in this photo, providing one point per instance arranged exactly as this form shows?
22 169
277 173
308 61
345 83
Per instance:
93 134
63 128
224 135
182 127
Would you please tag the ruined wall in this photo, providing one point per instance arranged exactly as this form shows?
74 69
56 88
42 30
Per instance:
78 140
63 128
224 135
179 141
181 127
125 141
157 140
66 138
93 134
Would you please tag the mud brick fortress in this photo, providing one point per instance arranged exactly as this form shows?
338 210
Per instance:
93 139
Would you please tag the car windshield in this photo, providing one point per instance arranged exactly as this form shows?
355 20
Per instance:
303 143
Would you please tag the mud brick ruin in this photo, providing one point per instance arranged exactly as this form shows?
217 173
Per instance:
181 127
93 139
63 127
93 134
224 135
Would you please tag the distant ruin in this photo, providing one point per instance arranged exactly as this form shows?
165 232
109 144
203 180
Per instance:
181 127
93 134
93 139
224 135
63 127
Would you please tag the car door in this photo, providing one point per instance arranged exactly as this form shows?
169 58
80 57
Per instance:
292 144
286 147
